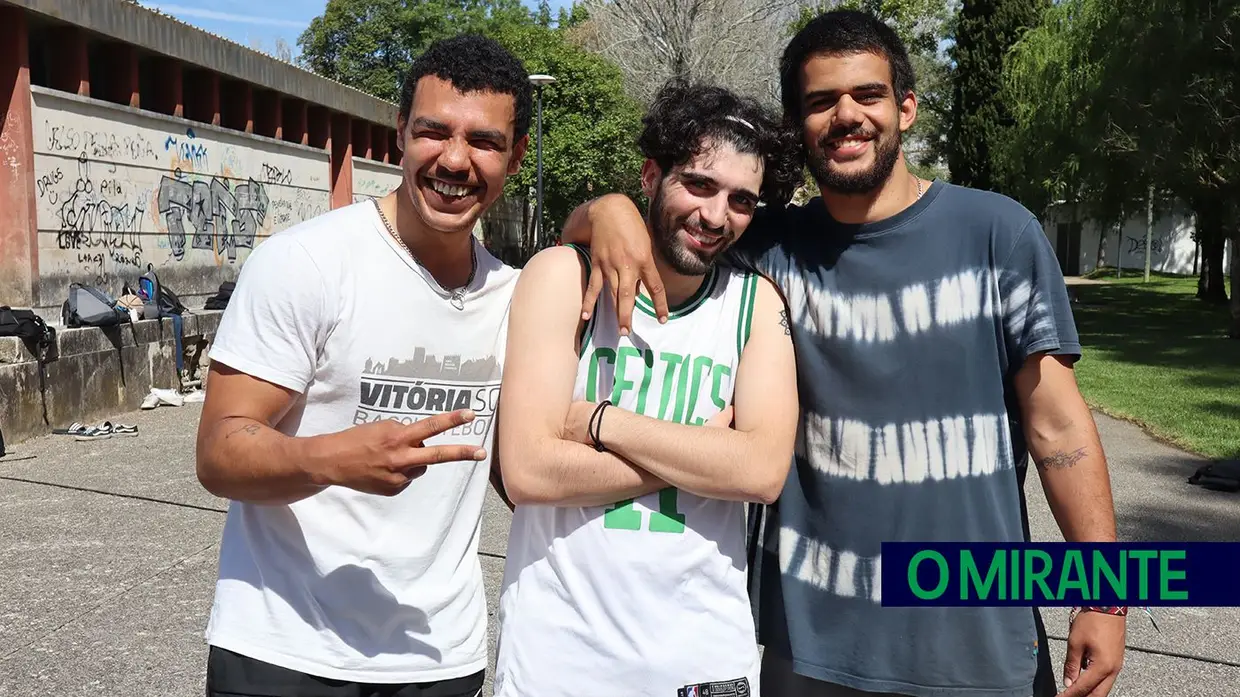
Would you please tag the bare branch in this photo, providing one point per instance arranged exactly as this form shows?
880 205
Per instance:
732 42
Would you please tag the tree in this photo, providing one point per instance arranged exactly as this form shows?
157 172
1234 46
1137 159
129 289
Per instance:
284 52
1111 97
590 125
922 25
544 13
369 44
735 43
980 118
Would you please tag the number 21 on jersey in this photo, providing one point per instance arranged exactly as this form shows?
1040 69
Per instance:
623 516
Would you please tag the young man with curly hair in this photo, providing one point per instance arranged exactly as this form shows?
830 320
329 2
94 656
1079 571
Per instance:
935 345
350 411
626 558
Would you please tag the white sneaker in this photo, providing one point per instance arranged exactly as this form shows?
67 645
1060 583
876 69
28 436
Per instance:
170 397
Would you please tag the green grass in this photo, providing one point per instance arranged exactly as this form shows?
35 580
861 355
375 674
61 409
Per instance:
1157 356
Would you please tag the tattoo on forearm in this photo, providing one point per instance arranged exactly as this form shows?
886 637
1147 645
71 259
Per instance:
1062 460
250 429
783 322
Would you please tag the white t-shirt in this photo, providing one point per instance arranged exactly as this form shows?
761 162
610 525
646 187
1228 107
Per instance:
347 585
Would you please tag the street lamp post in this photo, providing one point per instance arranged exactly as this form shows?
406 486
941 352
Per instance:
539 81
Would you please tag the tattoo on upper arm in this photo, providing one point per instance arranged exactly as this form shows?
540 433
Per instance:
1062 460
250 429
783 322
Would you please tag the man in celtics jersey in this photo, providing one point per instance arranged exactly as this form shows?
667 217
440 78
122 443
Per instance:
630 457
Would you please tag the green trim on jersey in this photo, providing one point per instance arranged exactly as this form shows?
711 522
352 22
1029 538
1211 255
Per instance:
744 319
587 331
643 303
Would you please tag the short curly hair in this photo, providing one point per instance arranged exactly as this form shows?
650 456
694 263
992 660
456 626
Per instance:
686 118
473 63
838 33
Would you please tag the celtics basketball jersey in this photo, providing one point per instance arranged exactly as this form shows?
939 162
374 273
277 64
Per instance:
645 596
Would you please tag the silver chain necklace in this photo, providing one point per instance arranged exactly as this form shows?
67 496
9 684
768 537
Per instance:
455 296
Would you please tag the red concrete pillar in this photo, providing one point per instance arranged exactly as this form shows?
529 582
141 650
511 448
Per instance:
70 61
378 143
318 128
169 97
19 248
247 106
361 139
277 105
268 114
340 145
128 60
213 97
296 121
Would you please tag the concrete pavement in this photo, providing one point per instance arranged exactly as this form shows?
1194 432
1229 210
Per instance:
108 553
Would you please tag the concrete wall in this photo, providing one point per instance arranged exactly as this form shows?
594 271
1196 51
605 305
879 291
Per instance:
1172 247
117 189
373 179
96 373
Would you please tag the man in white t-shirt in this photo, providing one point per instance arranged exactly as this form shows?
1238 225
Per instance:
626 560
350 413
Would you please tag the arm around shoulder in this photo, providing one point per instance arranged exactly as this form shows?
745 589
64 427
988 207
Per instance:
539 465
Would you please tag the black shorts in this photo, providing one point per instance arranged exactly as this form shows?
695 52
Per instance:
230 674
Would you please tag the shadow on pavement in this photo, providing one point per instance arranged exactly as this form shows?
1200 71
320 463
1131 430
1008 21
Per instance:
1157 522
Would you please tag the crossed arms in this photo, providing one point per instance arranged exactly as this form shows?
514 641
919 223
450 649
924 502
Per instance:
545 456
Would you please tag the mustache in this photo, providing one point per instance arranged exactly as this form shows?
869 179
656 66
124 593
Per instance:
720 232
845 132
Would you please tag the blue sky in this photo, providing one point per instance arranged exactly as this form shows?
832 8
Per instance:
277 19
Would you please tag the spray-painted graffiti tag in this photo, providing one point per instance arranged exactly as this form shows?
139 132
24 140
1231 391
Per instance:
97 144
87 218
275 175
1136 245
186 150
222 218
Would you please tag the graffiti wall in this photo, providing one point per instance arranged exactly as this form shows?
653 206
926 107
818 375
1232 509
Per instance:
1172 247
118 189
373 179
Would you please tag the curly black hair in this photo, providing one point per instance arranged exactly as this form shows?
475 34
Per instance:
687 118
837 33
473 63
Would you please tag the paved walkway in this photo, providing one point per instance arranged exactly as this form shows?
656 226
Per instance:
108 556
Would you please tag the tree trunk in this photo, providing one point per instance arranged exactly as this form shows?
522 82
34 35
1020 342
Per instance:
1210 230
1235 284
1101 259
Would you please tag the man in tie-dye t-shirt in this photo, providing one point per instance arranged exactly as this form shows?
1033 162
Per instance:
935 345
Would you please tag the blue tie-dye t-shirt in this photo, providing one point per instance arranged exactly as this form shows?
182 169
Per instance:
908 332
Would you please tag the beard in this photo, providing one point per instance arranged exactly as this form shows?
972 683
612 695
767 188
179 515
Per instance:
665 234
886 152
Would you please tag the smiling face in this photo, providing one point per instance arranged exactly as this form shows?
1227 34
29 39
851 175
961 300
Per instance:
458 150
700 208
853 122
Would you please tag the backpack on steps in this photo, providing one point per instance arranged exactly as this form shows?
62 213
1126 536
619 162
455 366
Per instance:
219 301
158 300
88 306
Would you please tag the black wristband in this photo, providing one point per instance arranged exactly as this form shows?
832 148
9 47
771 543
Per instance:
595 428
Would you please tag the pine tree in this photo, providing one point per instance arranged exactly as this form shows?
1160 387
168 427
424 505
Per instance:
985 31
